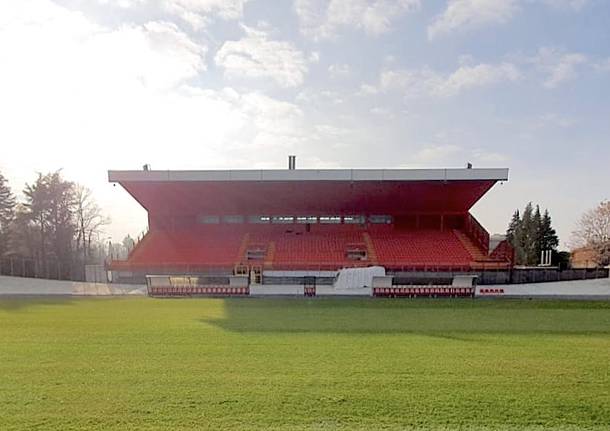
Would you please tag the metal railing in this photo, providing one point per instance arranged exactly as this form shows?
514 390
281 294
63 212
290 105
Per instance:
477 233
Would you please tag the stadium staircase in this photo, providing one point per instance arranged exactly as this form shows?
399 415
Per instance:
295 248
476 253
270 254
479 258
243 247
370 248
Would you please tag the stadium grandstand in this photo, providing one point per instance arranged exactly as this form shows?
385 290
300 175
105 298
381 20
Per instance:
253 221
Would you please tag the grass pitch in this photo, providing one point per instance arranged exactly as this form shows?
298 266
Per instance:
320 364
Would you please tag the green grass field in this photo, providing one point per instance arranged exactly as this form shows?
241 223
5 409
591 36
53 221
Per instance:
320 364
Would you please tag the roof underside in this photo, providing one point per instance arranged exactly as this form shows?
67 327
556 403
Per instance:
317 192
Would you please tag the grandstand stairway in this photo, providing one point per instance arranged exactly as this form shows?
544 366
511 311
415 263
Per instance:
479 259
243 247
476 253
270 254
370 248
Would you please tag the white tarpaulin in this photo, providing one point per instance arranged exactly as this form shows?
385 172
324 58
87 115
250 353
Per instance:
357 278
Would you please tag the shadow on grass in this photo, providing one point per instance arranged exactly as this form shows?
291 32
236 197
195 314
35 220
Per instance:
459 320
20 302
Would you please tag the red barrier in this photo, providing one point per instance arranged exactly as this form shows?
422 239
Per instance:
210 290
309 291
422 291
489 291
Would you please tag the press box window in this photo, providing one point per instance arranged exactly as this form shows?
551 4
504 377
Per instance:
358 219
233 219
209 219
330 219
307 219
380 219
259 219
282 219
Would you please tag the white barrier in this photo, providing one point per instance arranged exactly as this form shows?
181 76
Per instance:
37 286
358 278
277 289
599 288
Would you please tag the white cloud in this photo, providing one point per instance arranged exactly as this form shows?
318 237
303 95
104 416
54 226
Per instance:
88 98
422 82
555 120
436 154
154 55
277 123
486 156
558 65
471 14
463 15
481 75
125 4
444 154
330 130
319 97
320 19
256 56
381 111
197 13
338 70
415 82
367 90
566 4
603 66
314 57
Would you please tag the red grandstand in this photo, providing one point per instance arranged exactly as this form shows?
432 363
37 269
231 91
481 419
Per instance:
311 219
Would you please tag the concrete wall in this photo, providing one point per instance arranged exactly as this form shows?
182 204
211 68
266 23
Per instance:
298 290
37 286
594 289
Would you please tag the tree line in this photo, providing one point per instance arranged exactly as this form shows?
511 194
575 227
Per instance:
57 227
530 233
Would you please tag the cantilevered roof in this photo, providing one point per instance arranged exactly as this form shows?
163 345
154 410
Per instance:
306 191
313 175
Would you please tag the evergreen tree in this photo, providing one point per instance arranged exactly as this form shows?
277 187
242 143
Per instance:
513 228
537 244
7 213
529 233
50 204
528 236
548 237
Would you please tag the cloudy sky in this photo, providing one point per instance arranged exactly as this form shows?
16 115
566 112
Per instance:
91 85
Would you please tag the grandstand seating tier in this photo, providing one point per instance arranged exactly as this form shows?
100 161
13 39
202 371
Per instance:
296 246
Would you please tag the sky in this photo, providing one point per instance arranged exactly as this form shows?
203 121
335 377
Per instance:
92 85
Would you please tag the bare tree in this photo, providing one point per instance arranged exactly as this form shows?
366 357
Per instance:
23 234
89 220
594 231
